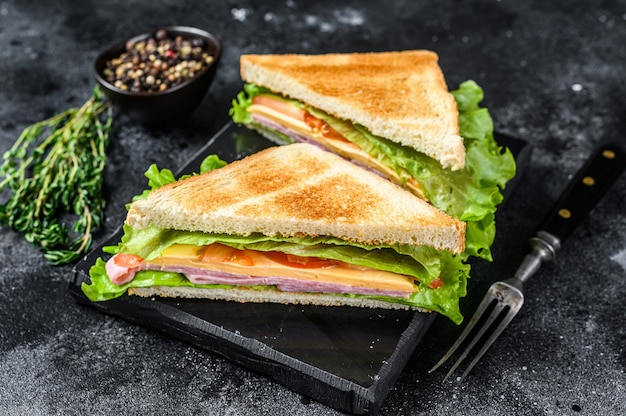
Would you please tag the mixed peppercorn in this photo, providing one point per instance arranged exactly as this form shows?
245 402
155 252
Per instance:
157 63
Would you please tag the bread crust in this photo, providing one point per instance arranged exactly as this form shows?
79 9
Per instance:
298 190
246 295
398 95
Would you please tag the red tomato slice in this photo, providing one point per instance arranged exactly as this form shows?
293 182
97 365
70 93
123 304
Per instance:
218 253
127 260
436 284
238 256
299 261
322 127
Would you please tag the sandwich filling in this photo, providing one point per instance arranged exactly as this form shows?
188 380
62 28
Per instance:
415 276
470 194
221 264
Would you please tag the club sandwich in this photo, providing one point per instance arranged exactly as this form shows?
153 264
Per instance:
290 224
391 113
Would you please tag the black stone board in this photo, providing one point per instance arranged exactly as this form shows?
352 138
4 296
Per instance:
347 358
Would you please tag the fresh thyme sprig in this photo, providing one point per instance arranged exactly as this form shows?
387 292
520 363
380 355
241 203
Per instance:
53 175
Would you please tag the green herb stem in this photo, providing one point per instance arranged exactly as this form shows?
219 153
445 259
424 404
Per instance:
53 171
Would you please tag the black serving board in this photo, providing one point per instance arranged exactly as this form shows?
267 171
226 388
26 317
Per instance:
347 358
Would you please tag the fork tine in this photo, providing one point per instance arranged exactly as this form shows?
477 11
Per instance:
505 321
496 311
508 299
487 300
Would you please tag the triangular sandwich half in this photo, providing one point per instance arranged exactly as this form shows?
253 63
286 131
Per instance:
290 224
401 96
390 112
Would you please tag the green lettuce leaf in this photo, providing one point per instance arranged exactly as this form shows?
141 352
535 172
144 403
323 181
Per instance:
239 110
158 178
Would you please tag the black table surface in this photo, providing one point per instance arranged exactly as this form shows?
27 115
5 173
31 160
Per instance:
553 73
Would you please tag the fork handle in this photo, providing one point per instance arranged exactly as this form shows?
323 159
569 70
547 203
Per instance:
583 192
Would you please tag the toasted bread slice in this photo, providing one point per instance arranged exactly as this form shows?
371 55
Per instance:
401 96
273 295
298 190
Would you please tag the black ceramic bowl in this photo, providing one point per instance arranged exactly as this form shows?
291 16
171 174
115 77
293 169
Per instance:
175 103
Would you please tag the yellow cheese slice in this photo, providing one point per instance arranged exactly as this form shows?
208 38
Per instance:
258 263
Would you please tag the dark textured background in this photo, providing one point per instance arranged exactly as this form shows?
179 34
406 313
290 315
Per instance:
553 74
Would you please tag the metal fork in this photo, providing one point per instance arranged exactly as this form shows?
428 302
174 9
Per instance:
505 298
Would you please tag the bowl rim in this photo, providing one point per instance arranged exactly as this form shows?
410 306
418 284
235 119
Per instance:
121 46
